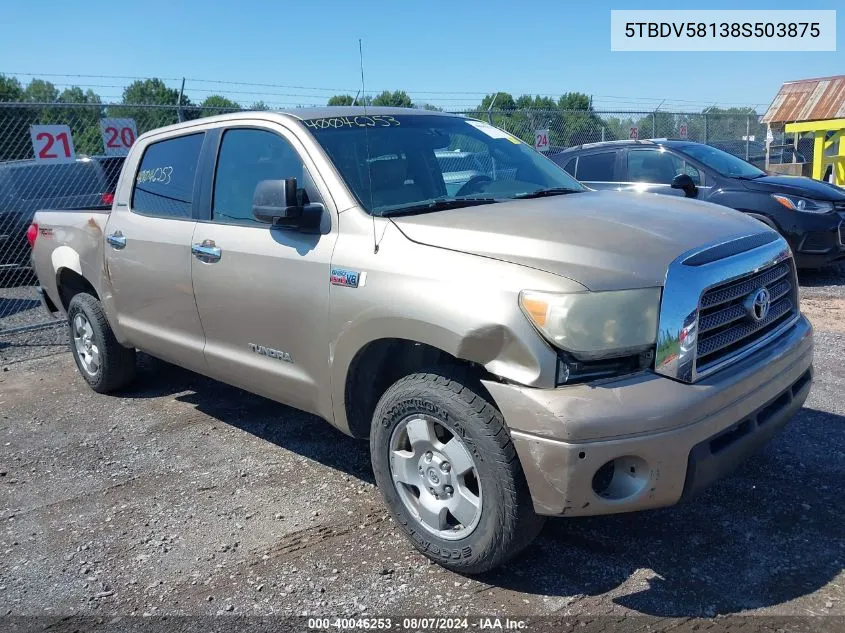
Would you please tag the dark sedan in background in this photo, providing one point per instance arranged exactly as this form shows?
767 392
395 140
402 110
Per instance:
27 186
809 213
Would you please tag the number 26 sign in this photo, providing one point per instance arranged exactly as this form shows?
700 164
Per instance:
52 143
118 135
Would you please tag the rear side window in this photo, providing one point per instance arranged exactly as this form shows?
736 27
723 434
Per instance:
46 182
596 167
164 184
570 166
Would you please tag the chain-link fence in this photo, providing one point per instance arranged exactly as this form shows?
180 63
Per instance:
60 156
67 156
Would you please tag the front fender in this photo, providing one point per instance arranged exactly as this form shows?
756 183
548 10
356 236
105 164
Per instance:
464 305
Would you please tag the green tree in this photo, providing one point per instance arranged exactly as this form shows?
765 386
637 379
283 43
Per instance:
430 106
151 93
570 120
220 102
259 105
341 100
83 119
14 142
10 89
732 124
498 101
397 99
40 91
575 101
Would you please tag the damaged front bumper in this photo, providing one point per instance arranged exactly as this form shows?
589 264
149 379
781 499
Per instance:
647 441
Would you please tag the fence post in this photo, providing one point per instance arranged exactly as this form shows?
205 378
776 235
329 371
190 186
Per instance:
705 128
653 126
747 134
490 109
179 103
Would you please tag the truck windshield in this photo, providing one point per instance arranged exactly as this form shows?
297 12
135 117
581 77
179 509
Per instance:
422 163
721 162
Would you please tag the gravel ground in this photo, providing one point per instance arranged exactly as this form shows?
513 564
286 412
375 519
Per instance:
183 496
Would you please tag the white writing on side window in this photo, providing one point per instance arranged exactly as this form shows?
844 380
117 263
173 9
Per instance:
159 174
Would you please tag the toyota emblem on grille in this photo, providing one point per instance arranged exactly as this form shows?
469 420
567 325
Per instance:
758 304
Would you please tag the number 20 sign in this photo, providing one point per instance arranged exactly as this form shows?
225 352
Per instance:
52 143
118 135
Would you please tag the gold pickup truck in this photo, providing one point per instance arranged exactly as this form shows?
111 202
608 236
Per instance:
512 344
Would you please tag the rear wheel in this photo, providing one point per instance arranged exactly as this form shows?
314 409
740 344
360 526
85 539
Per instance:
103 362
449 473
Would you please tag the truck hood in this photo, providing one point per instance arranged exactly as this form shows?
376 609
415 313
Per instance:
798 186
604 240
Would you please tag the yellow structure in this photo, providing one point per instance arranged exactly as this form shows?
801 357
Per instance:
820 131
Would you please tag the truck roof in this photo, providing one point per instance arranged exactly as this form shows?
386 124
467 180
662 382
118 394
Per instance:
302 114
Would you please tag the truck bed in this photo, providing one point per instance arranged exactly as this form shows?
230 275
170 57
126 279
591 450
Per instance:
68 239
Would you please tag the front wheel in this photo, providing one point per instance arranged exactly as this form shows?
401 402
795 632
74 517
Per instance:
449 473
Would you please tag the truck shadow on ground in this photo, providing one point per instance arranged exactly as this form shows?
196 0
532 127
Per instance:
767 534
283 426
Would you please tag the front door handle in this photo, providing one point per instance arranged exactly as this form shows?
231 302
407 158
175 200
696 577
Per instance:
117 240
207 251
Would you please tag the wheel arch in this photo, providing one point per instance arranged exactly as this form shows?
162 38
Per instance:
69 283
376 366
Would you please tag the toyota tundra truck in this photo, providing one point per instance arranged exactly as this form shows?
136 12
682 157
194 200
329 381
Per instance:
516 348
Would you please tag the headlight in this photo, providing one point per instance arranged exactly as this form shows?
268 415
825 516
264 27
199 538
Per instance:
593 325
805 205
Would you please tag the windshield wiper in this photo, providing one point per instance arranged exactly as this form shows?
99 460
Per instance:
437 205
544 193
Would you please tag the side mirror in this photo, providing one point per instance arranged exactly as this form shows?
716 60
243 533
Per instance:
684 182
280 203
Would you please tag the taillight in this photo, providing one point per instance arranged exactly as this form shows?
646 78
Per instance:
107 198
31 234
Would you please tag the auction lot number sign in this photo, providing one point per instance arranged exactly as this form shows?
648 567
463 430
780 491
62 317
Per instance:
54 143
118 135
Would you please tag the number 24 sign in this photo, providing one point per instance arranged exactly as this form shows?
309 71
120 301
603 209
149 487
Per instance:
52 143
118 135
541 140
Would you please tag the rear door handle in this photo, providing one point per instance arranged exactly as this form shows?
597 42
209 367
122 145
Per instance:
117 240
207 251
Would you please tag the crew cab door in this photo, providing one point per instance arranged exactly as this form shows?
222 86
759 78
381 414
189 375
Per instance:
263 291
148 251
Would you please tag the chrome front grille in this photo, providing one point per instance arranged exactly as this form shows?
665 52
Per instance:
708 314
727 325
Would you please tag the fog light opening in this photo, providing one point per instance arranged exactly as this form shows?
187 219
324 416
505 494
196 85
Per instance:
621 478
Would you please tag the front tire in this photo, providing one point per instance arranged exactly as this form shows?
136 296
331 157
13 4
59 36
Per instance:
449 472
103 362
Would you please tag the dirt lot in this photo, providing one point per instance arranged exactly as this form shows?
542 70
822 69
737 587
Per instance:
185 496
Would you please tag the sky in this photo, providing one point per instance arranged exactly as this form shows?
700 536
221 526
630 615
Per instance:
447 53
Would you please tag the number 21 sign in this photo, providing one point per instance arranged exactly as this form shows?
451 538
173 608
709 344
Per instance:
118 135
52 143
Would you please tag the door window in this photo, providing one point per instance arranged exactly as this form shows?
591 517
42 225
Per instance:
596 167
164 184
658 167
247 157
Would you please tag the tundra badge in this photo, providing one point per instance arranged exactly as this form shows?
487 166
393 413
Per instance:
270 352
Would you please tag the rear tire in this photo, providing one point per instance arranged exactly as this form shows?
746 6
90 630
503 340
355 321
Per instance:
426 420
103 362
